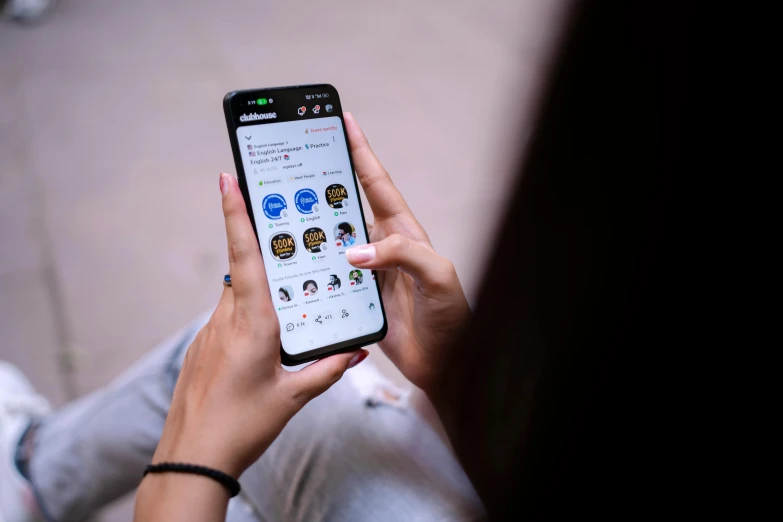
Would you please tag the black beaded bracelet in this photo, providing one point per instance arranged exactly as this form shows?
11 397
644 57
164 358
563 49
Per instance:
229 482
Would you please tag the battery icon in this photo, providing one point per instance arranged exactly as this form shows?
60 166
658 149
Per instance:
261 101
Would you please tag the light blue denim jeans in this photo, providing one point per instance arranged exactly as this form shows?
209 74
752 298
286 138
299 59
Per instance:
344 457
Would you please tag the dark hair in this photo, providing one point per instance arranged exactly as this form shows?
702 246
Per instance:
287 295
345 227
304 285
582 320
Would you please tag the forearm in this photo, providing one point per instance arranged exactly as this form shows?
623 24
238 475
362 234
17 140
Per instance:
450 386
461 408
180 497
445 401
486 406
174 496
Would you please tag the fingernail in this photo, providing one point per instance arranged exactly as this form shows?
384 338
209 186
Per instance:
359 357
360 254
224 183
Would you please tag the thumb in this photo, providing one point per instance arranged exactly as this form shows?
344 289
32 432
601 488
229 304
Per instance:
311 381
424 265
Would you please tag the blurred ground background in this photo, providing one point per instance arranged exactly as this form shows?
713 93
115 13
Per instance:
112 137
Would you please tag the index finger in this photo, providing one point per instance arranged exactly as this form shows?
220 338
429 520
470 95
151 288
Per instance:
248 281
384 198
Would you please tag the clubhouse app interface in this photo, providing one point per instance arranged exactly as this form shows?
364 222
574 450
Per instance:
306 211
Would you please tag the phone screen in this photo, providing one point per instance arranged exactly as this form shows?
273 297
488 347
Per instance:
296 172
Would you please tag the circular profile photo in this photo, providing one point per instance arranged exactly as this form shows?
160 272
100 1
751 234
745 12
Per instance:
309 287
334 283
274 206
344 234
285 294
306 201
336 196
283 246
314 240
355 277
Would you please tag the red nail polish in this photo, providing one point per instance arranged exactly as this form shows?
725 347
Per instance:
359 357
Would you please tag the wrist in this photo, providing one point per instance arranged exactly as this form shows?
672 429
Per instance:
228 442
193 450
195 445
180 497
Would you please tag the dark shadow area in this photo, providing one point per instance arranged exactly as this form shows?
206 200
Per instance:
559 407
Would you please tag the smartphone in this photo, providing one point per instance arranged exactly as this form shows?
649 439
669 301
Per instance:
296 174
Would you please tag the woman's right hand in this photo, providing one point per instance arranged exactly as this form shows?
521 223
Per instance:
425 306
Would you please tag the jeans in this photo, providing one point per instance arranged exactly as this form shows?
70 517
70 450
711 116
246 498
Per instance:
345 456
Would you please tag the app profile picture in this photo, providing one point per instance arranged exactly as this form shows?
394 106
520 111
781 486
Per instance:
314 240
344 234
285 294
274 206
283 246
334 283
306 201
355 277
310 287
336 196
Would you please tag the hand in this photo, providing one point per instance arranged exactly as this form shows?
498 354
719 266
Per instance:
425 305
233 397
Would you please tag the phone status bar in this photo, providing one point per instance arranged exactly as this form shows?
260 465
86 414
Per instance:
261 101
263 106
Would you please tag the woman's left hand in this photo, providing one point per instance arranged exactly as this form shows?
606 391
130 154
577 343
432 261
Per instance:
233 397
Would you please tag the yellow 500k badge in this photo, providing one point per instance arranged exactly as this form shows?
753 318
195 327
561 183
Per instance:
283 246
336 196
314 240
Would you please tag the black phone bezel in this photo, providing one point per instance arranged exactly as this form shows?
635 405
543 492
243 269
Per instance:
344 346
